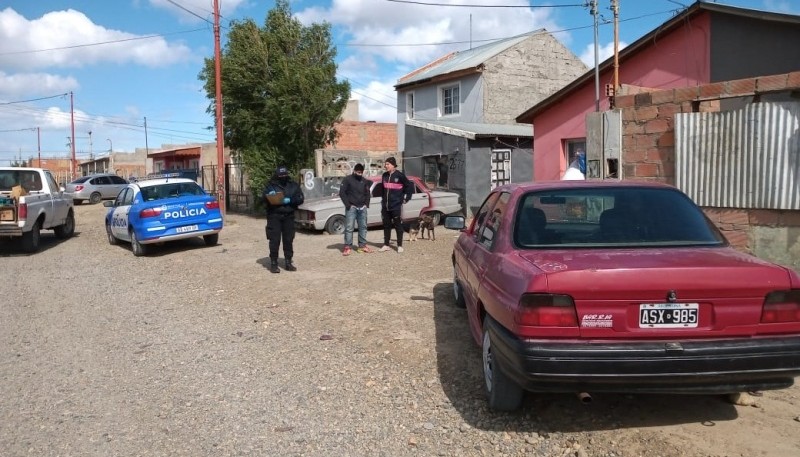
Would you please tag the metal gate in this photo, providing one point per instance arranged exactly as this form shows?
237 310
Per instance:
238 197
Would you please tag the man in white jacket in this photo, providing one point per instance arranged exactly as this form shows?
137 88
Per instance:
577 169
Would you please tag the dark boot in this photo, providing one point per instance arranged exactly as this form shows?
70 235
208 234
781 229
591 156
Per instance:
290 266
273 266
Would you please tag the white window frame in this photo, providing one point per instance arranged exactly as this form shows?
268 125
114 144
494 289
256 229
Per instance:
456 107
501 167
410 105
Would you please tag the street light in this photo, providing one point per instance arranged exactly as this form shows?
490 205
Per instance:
110 145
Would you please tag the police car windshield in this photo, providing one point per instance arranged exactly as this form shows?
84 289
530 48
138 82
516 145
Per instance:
171 190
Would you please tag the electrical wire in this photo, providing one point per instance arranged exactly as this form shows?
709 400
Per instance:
457 5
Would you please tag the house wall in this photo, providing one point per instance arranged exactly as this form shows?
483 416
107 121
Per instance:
774 52
365 136
426 103
648 153
423 142
526 74
666 64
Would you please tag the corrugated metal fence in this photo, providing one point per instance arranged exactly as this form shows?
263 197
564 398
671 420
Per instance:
747 158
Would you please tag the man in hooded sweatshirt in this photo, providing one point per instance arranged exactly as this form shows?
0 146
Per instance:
355 195
396 191
280 217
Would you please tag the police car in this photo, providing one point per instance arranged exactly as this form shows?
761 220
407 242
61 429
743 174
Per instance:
162 208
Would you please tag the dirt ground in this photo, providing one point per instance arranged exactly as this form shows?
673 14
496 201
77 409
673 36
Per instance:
198 350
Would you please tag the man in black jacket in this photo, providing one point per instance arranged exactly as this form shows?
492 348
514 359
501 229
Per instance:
355 195
280 216
396 192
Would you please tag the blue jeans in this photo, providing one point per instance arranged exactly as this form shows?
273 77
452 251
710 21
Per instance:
352 216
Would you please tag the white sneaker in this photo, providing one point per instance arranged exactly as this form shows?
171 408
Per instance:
385 248
399 248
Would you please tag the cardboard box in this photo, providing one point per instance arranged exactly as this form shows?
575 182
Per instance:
18 191
275 199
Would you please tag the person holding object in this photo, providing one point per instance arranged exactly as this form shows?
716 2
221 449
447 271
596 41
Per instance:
282 196
577 169
355 195
396 190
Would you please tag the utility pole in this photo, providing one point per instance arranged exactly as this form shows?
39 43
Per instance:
218 96
91 155
72 140
593 5
615 10
146 147
39 145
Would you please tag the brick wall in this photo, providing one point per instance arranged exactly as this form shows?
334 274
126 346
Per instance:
648 144
365 136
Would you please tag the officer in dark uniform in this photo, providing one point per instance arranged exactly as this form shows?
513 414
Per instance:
280 216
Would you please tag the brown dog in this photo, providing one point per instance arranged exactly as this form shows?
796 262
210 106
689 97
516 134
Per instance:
426 223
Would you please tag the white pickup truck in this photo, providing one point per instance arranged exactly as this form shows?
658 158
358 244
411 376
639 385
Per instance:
31 201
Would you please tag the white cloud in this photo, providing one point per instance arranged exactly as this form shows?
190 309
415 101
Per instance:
603 52
405 33
69 39
34 84
377 101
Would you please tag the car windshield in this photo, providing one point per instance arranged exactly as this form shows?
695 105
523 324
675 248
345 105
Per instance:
171 190
605 216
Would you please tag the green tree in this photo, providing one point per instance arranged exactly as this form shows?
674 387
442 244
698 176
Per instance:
279 90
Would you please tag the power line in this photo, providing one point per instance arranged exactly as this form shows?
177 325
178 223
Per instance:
85 45
190 12
34 99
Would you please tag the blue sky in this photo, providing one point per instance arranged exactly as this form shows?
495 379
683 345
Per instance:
127 60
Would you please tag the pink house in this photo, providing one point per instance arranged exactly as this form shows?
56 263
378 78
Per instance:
705 43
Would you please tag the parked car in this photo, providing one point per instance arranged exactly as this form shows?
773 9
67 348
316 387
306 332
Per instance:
327 213
160 209
587 286
95 188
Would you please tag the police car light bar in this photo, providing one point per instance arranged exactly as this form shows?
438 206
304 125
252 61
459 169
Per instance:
161 176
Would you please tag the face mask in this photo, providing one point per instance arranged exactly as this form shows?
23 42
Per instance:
359 177
283 179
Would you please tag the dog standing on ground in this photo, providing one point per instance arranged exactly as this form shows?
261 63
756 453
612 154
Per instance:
413 230
426 223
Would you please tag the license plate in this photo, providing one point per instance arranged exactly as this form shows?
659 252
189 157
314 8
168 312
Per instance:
188 228
668 315
7 215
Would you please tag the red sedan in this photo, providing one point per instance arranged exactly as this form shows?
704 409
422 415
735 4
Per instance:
587 286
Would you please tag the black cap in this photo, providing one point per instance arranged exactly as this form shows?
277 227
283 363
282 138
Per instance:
358 167
391 161
282 171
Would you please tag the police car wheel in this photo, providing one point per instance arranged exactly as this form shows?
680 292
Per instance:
211 240
111 240
137 248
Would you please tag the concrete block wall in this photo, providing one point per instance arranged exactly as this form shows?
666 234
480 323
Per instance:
648 153
365 136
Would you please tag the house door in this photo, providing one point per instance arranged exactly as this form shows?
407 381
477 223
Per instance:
501 167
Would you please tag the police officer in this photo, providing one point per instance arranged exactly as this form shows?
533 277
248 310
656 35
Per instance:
280 216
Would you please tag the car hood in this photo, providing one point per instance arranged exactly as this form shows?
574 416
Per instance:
648 273
322 203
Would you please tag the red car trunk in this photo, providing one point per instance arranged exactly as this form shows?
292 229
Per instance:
691 284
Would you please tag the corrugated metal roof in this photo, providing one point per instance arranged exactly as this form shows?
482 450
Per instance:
463 60
472 130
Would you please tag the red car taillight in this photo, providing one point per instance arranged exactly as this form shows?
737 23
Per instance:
781 306
547 310
150 212
78 188
23 211
212 205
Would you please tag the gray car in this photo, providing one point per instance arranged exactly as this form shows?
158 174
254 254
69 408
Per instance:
94 188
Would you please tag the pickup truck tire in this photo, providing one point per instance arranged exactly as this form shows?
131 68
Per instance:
211 240
31 238
111 239
95 198
67 229
502 392
77 202
335 225
138 248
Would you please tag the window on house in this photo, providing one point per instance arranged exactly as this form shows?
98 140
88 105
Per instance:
434 171
410 105
501 167
572 148
450 101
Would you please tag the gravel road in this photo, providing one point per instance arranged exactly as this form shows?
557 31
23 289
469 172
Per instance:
200 351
